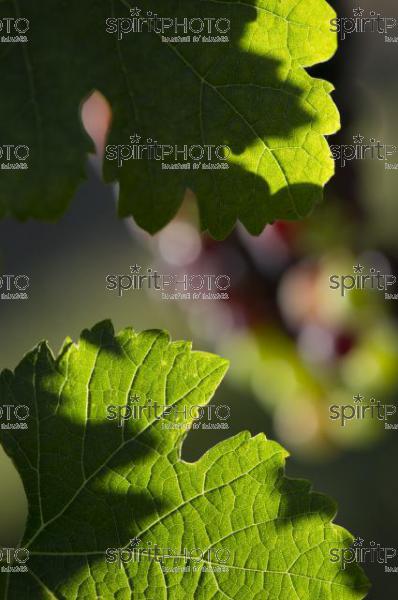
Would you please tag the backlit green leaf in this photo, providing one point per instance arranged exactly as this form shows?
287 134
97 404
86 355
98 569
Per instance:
94 487
250 93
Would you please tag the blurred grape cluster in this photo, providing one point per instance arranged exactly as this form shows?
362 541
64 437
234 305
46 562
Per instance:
299 346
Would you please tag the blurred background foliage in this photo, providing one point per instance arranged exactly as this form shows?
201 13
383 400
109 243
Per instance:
296 347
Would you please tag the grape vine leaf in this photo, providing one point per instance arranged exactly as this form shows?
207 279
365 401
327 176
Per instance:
94 487
251 93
